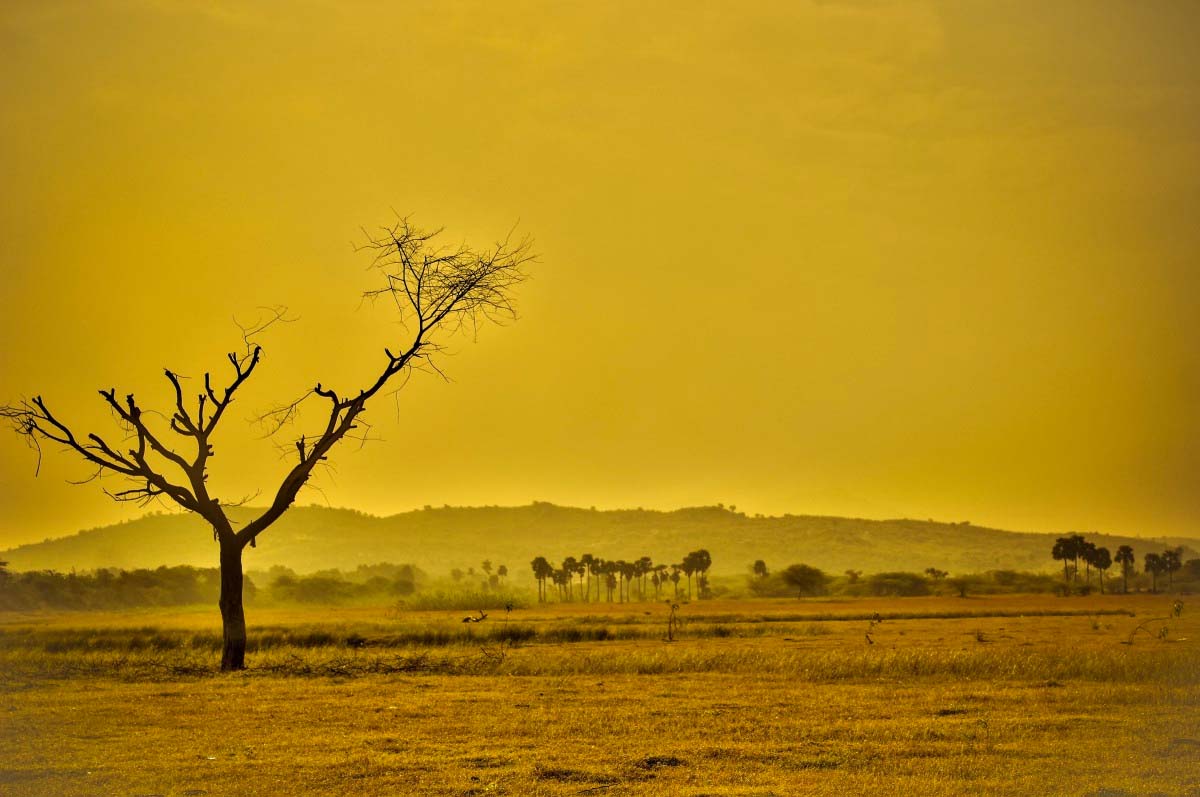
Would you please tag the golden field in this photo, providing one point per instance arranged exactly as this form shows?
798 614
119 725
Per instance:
939 696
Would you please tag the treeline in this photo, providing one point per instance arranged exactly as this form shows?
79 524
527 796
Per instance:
802 580
619 580
112 589
1075 548
183 586
365 584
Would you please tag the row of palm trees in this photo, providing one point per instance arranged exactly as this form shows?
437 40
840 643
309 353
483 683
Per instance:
618 579
1073 548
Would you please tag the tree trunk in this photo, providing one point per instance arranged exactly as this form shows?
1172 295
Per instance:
233 651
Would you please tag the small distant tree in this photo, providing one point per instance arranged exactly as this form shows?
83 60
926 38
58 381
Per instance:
586 562
1067 550
1101 560
542 570
569 566
502 572
806 580
900 584
961 585
1087 552
457 574
1154 565
596 573
1172 559
760 569
645 565
935 574
698 561
853 575
1126 559
688 566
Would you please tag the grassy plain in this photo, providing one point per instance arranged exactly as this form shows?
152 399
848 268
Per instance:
1029 695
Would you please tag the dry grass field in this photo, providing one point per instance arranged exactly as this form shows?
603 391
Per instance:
936 696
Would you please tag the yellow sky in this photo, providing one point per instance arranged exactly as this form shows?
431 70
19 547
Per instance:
861 258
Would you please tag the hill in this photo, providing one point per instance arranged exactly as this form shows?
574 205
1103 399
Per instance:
437 539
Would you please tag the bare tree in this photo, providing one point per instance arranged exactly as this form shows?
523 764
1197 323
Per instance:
437 289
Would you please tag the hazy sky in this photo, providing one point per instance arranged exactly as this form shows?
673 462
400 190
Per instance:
861 258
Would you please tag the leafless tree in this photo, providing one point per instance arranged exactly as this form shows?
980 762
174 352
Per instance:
437 289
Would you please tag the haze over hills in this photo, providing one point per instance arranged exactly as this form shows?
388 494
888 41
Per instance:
437 539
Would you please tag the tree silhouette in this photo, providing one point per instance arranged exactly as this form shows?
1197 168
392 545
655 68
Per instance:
760 569
587 561
698 561
1126 559
660 573
1068 549
628 573
437 290
1087 552
1172 559
542 570
643 565
568 567
1101 560
806 580
581 571
595 570
689 568
502 572
1154 565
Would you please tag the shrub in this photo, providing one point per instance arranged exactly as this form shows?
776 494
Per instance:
897 584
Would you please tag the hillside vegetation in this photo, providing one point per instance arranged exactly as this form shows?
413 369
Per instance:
437 539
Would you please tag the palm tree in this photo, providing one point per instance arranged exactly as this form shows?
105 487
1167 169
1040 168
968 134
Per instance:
1087 552
587 560
660 571
542 570
1172 560
1153 564
596 569
1125 558
569 564
699 561
581 571
689 567
1068 548
502 572
675 569
644 566
629 571
760 568
1102 560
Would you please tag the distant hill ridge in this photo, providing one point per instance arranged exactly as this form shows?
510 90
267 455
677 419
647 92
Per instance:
436 539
